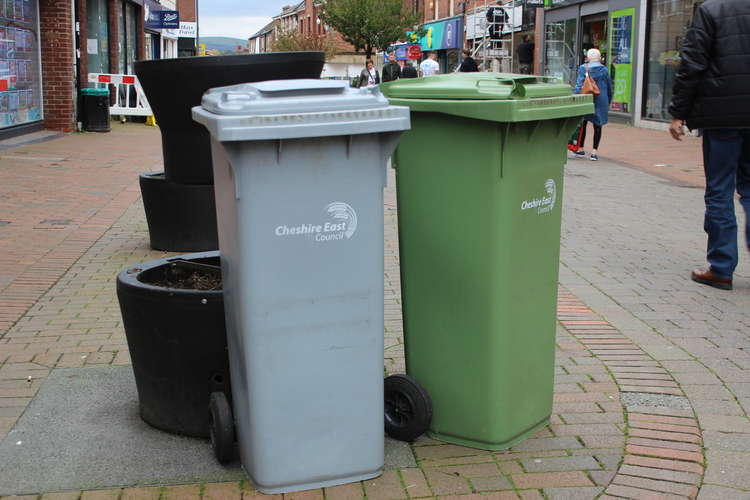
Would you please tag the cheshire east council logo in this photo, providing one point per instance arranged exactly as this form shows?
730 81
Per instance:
546 202
341 224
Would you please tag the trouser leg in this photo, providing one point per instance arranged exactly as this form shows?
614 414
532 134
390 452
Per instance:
721 155
584 126
743 181
597 135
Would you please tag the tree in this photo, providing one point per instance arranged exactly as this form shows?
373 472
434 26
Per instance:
292 40
369 25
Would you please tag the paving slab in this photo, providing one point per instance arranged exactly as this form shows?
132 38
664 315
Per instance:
83 431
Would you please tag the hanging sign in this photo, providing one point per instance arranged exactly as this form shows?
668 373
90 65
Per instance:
414 52
157 18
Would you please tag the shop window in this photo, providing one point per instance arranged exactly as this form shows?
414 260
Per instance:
97 45
668 23
131 40
560 58
20 91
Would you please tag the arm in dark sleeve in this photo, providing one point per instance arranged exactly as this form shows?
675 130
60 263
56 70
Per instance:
610 90
694 62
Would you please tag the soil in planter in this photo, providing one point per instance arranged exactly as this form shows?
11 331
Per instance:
186 279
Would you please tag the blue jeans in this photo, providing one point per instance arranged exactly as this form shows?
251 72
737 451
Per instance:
726 161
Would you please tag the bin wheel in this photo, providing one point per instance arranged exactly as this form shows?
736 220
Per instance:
221 427
408 409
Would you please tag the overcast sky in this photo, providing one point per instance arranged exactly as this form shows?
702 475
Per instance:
236 18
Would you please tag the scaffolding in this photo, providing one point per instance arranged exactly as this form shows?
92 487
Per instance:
491 27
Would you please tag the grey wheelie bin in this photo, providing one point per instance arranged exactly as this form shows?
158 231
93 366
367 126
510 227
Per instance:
299 169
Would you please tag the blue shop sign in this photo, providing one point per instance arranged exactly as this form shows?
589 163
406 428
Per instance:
441 35
401 51
156 17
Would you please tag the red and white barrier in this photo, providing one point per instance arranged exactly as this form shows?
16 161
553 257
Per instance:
129 98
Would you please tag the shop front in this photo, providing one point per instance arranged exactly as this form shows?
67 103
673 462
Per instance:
573 27
161 28
446 37
110 42
667 22
128 36
20 70
187 36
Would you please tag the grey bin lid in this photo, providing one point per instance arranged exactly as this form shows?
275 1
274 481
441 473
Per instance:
288 109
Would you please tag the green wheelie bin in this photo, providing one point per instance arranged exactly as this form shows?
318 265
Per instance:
479 182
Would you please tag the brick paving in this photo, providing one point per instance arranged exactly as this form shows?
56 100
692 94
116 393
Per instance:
56 199
654 152
594 445
630 241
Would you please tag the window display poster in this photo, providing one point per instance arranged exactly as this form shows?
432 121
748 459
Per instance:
20 89
621 58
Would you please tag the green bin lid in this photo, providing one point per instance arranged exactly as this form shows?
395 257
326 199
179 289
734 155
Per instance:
92 91
489 96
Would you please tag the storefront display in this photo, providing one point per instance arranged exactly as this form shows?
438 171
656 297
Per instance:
560 58
621 58
97 43
445 37
668 23
20 95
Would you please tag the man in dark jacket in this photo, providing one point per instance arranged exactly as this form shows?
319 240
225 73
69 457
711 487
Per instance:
408 71
526 56
712 93
468 65
391 69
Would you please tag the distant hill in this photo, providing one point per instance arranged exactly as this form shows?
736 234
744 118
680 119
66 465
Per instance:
222 43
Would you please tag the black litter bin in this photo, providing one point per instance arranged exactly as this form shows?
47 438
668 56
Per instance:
95 106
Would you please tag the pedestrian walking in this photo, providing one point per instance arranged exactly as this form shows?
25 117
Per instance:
369 75
468 65
429 66
408 71
525 53
594 68
391 70
711 93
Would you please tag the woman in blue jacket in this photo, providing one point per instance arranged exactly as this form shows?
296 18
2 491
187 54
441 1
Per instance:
599 73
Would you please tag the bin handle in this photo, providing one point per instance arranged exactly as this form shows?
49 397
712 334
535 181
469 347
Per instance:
520 87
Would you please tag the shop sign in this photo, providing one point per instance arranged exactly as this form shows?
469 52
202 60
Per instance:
441 35
188 29
404 52
398 50
156 17
550 4
621 58
534 3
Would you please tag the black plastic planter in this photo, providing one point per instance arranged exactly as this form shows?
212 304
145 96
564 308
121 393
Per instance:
178 346
174 86
180 217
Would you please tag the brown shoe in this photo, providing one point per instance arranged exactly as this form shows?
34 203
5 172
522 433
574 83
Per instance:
706 277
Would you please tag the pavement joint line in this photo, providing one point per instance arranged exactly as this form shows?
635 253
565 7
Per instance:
634 450
675 345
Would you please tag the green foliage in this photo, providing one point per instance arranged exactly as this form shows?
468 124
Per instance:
293 40
369 25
